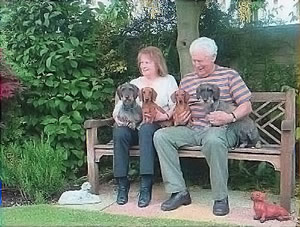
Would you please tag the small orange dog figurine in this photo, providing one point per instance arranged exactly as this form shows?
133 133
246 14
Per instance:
266 211
149 107
181 98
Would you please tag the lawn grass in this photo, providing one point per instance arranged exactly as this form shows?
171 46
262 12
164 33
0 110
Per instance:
49 215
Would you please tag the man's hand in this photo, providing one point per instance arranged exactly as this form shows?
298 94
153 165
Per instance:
218 118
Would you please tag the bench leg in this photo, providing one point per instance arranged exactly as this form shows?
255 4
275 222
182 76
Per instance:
93 170
286 188
93 176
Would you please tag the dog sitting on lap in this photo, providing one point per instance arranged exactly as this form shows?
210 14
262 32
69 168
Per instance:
245 128
128 113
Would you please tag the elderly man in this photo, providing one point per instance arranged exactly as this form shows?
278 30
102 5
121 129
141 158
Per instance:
207 130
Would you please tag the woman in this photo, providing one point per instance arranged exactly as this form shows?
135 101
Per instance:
154 74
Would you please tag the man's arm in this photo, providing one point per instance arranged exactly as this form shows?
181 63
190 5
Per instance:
219 118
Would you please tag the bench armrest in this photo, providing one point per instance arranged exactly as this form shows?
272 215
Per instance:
287 125
96 123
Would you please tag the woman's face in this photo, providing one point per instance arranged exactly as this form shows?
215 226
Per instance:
147 66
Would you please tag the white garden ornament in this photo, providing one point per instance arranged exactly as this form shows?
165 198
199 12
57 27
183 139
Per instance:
82 196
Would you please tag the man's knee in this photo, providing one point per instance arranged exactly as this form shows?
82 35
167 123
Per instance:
212 138
159 136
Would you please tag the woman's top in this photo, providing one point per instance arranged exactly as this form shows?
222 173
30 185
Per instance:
164 86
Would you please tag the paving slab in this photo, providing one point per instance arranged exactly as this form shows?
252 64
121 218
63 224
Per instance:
241 211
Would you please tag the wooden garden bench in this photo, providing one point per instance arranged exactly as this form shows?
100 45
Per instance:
274 114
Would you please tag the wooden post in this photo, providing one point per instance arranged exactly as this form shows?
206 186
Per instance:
287 151
93 170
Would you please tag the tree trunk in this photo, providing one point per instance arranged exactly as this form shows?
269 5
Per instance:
188 15
298 115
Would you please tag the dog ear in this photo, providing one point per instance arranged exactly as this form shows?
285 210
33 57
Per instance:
136 91
119 91
141 96
154 95
186 96
173 98
216 92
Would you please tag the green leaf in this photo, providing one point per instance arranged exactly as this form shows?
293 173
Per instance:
74 64
68 98
77 73
75 127
49 120
25 59
50 129
48 62
63 50
54 14
63 107
49 82
40 70
86 94
86 72
77 153
75 104
76 115
83 84
65 119
38 22
49 7
43 51
74 41
46 16
80 163
74 91
88 105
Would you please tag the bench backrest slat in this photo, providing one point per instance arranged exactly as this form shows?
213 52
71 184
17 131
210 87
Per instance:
269 109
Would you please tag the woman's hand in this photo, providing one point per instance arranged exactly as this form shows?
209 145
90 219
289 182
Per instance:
219 118
161 116
120 122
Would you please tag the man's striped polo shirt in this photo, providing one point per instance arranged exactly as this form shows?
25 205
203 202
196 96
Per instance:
232 89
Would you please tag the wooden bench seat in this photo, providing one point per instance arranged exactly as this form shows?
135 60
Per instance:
274 114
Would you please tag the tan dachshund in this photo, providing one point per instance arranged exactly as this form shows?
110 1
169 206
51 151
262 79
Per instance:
149 107
181 98
267 211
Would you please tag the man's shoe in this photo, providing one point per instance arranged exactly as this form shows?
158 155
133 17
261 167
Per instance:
145 197
176 200
123 189
221 207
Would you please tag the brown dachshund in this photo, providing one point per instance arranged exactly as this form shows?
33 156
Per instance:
181 98
266 211
149 107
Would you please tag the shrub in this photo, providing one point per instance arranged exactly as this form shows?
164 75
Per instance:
34 168
55 42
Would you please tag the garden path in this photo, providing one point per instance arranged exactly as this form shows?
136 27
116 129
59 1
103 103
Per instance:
241 212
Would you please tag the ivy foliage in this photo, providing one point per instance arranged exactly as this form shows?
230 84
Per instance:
60 45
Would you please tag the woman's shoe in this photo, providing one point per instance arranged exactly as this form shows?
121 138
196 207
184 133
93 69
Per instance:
122 197
145 191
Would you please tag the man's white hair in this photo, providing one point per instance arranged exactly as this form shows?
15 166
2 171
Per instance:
204 44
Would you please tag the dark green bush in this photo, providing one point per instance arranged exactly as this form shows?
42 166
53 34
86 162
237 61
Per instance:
67 82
